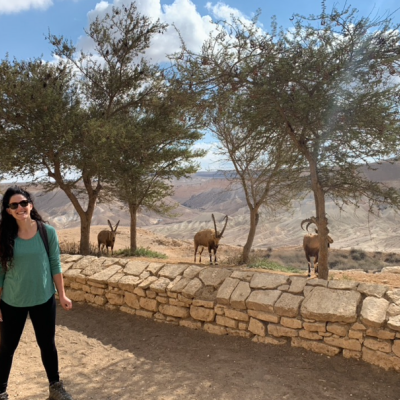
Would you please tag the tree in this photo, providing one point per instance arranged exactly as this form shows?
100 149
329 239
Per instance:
150 148
328 87
219 80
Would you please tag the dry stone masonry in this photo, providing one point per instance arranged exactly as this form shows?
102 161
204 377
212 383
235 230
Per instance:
354 319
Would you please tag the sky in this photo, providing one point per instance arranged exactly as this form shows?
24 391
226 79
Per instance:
24 24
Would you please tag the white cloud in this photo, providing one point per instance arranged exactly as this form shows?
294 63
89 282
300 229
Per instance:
16 6
212 161
223 11
182 14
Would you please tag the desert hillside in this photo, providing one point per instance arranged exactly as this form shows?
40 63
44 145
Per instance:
207 193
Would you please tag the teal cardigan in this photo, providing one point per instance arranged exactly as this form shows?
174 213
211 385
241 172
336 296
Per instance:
30 280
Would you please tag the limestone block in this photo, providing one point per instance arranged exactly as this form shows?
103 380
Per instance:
145 284
279 331
132 300
239 295
144 314
269 340
309 335
139 292
115 299
102 274
171 271
225 321
94 267
351 354
202 314
237 332
226 289
159 317
288 305
381 333
160 285
113 280
190 323
174 311
373 311
316 347
383 360
315 326
394 323
75 295
74 274
359 335
148 304
192 288
344 343
263 300
127 310
203 303
178 284
264 316
96 290
84 262
265 280
243 326
97 284
358 327
370 289
396 348
394 295
162 299
65 267
393 310
219 310
150 294
154 268
338 329
215 329
385 346
243 275
307 290
172 295
331 305
317 282
185 300
342 284
297 285
68 258
78 286
257 327
89 298
391 270
192 271
235 314
214 276
176 302
293 323
134 267
100 300
144 275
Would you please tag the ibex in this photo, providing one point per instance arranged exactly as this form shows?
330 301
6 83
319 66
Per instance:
311 244
209 238
107 238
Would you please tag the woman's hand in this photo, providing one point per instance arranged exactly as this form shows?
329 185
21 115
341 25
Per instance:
65 302
1 317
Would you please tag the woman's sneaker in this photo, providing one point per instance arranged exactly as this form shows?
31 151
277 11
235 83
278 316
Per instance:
57 392
4 396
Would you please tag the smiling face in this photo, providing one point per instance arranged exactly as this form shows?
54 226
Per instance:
20 213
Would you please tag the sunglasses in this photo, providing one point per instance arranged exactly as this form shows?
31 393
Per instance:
23 203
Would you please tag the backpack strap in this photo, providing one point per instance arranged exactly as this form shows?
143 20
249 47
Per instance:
43 234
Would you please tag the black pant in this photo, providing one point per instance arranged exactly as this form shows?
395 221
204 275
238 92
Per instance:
43 319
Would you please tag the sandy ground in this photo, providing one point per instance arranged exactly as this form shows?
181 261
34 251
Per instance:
109 355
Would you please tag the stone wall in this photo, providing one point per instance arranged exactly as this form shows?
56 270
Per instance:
333 317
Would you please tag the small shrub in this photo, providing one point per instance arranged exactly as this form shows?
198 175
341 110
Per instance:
140 252
74 248
392 258
358 255
272 266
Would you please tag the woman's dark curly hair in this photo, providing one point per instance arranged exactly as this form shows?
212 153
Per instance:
9 226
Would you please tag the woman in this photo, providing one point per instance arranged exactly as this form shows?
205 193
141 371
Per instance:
27 279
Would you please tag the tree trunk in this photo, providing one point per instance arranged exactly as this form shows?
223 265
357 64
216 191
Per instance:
132 211
319 197
254 217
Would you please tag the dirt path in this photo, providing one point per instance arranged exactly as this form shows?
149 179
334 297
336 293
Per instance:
109 355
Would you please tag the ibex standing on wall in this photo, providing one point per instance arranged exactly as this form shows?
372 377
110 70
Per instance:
311 244
209 238
107 238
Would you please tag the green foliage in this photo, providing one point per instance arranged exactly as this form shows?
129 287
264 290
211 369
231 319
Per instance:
140 252
272 266
357 255
74 248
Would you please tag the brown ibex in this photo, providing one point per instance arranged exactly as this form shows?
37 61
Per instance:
209 238
107 238
311 244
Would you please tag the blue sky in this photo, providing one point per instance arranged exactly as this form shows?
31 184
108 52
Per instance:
25 23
